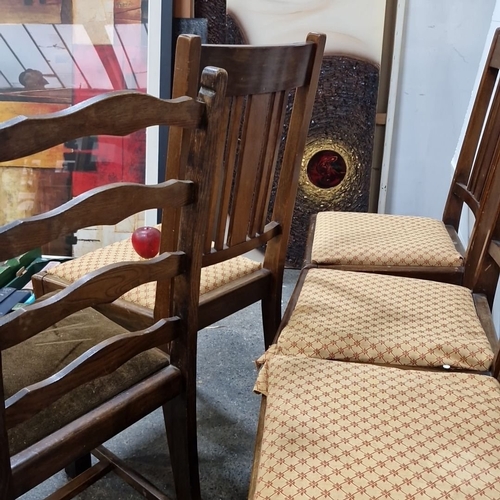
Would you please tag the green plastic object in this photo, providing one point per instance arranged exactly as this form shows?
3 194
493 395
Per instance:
21 280
11 267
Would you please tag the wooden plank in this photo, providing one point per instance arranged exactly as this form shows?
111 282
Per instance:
252 148
218 197
275 133
130 476
106 205
81 482
101 286
284 70
380 118
238 110
106 114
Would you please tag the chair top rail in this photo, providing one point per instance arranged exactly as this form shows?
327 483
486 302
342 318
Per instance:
279 67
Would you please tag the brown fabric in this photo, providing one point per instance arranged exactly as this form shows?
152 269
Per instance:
51 350
356 431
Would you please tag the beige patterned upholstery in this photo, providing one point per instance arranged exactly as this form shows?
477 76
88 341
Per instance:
338 430
351 238
212 277
385 319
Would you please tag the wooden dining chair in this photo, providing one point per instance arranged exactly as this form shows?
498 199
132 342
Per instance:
337 422
419 246
269 99
401 321
70 377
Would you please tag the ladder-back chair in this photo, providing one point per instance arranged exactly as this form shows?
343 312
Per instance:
270 94
70 377
420 247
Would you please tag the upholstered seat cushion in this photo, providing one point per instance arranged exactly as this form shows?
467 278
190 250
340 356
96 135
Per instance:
50 351
350 238
356 431
385 319
212 277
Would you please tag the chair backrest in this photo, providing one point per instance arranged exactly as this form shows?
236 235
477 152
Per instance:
117 113
482 267
477 155
476 182
269 100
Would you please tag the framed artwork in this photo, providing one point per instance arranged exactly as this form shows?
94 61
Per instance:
55 53
343 155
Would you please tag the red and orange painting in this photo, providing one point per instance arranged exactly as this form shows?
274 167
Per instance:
55 53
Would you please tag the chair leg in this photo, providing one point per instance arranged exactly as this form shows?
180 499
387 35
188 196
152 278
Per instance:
180 423
271 315
78 466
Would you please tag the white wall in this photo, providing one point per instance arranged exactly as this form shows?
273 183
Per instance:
443 42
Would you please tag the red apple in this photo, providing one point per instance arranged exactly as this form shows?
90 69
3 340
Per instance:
146 241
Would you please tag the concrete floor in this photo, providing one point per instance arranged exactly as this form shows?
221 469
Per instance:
227 418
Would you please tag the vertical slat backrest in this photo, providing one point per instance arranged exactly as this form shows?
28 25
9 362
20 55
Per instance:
483 162
250 168
482 266
274 132
228 148
257 117
261 82
477 181
476 157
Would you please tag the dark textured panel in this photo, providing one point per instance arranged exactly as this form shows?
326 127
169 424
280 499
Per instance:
343 121
234 34
215 13
197 26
